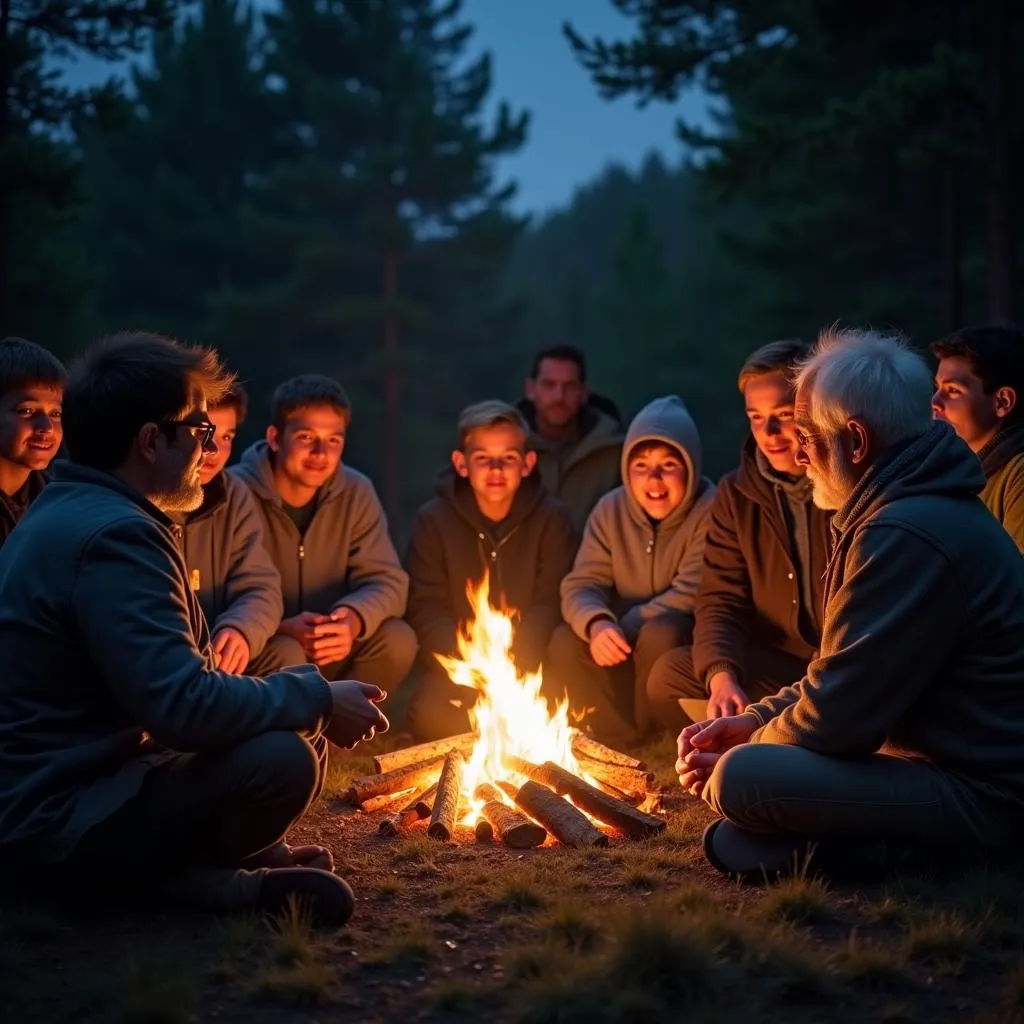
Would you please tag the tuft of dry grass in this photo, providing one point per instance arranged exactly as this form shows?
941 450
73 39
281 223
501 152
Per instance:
410 943
305 984
519 895
452 994
941 936
151 993
570 925
799 899
390 887
872 965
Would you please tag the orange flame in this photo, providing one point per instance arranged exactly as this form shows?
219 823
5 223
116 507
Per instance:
510 717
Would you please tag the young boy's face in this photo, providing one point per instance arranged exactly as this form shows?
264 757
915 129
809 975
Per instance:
657 479
225 419
495 462
961 401
30 426
769 400
308 449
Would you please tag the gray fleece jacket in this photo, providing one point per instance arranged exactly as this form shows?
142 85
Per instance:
346 556
629 568
107 663
922 647
229 566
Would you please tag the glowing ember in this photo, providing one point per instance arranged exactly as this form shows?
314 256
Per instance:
510 717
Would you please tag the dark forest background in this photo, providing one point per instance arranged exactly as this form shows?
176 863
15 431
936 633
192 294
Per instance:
312 187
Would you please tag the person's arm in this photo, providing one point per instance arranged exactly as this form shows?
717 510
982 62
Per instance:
587 588
380 586
681 596
131 603
890 629
252 589
1013 504
429 612
724 608
538 621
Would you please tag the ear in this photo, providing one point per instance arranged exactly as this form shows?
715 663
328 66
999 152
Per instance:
1005 400
860 440
530 389
529 461
147 439
459 462
273 438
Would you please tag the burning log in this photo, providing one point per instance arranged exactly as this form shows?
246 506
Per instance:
423 752
514 829
378 803
484 831
416 809
617 813
409 777
585 746
627 780
446 803
558 816
634 799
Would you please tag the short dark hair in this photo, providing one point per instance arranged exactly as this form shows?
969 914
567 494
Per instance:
564 354
127 380
995 353
237 398
24 364
304 391
776 357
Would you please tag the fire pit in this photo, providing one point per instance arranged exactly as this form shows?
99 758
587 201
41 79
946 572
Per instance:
523 774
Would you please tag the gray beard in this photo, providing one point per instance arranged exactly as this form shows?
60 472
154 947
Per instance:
186 498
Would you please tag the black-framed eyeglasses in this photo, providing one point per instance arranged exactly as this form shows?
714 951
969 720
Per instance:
202 431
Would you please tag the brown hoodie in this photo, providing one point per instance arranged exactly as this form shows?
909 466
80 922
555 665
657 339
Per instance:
922 647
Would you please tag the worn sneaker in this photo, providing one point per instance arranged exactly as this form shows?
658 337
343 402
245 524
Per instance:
325 897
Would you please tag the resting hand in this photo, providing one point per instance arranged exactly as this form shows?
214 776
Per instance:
727 696
701 746
300 628
333 638
355 715
608 644
231 650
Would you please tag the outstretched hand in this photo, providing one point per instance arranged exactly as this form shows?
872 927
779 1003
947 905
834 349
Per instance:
701 746
355 714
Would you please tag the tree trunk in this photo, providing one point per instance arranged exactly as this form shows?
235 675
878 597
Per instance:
391 385
952 223
1000 229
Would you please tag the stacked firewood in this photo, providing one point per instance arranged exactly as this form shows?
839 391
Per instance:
426 781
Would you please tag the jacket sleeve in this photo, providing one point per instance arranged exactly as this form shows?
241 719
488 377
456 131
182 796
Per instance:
538 622
378 585
130 599
430 610
724 603
891 627
587 589
1013 504
681 596
252 589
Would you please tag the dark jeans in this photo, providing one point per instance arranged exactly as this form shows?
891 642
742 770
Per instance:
213 810
614 699
673 679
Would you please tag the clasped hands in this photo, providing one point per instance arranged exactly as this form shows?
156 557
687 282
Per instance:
701 746
325 639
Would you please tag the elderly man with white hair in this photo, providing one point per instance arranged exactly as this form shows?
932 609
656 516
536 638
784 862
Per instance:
909 725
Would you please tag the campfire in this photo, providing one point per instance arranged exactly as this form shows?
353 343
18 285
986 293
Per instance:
523 774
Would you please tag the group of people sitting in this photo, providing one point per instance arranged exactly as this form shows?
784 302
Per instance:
835 631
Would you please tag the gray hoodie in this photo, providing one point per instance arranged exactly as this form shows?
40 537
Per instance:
229 567
922 648
107 663
627 567
346 556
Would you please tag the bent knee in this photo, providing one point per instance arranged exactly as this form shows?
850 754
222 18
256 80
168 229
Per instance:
672 677
733 788
286 760
400 641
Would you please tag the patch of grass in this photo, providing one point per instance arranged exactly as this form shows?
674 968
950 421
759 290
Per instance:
293 938
456 911
411 943
519 895
304 984
888 910
798 899
993 899
641 878
452 994
416 849
693 897
872 965
241 934
569 925
390 887
152 993
342 768
941 936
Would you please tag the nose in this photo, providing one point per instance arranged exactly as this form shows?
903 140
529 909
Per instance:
210 446
773 426
42 423
937 403
318 446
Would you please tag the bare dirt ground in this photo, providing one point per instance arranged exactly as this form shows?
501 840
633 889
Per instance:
641 931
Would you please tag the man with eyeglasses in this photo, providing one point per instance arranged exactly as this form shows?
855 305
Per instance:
492 516
229 567
128 759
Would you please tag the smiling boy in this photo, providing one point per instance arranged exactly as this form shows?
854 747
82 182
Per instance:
491 516
980 394
343 587
630 595
31 392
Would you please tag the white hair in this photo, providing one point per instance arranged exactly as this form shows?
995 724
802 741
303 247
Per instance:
873 376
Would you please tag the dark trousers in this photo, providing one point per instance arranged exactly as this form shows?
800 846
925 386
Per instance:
205 818
613 701
438 707
280 652
673 680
